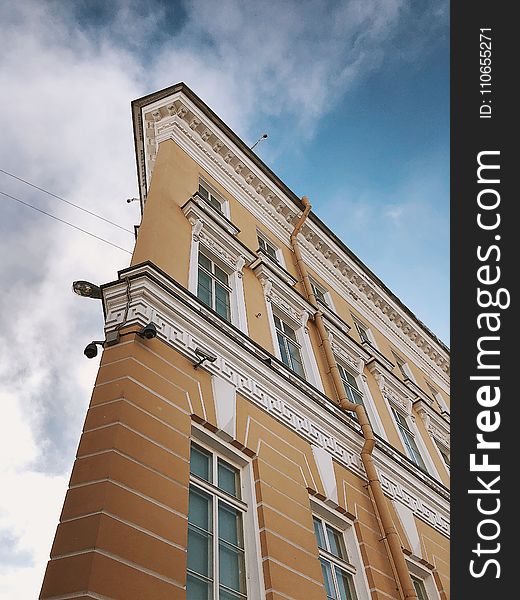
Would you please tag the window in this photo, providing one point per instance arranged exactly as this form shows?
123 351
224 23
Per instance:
265 245
408 439
216 561
351 386
419 588
211 197
337 572
364 336
213 287
290 349
439 399
404 369
444 453
320 293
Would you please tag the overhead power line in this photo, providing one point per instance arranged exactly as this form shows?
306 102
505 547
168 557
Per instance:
64 222
66 201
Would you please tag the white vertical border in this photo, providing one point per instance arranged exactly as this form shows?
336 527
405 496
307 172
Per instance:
373 414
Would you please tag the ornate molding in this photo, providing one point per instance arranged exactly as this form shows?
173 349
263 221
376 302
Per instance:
392 390
162 118
181 325
436 426
217 234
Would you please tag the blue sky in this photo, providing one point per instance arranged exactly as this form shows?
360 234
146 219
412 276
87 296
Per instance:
354 98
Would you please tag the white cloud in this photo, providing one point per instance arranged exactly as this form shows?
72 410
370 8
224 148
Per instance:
66 125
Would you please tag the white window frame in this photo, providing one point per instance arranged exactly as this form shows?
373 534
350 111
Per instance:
368 401
255 586
441 448
310 366
214 280
324 292
439 400
236 296
421 573
370 337
211 190
423 453
216 239
404 367
279 256
345 526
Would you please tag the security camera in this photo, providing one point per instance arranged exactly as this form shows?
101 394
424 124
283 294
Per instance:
148 331
204 355
91 350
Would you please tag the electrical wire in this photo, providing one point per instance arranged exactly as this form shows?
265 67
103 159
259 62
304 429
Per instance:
65 222
66 201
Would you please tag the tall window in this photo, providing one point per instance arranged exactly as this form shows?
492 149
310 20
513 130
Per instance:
213 287
290 349
337 572
419 588
350 385
319 292
216 562
404 369
408 439
444 453
267 247
211 197
364 336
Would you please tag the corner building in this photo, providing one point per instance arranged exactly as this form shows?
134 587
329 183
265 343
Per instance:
216 461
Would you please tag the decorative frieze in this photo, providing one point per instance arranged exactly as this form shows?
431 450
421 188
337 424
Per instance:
182 326
368 291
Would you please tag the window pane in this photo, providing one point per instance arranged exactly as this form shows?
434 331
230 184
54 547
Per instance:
222 301
271 251
203 192
336 545
289 332
283 350
296 359
277 323
200 558
227 595
221 275
327 579
230 525
198 589
200 463
320 296
228 478
420 589
363 333
200 510
214 202
318 530
205 262
204 293
412 449
353 395
345 585
231 567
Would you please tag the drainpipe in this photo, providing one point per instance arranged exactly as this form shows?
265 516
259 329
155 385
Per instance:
378 498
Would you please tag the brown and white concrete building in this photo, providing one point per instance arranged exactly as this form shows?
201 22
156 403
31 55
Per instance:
216 460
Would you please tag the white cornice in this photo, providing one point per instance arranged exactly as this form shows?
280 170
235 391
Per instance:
176 117
184 324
